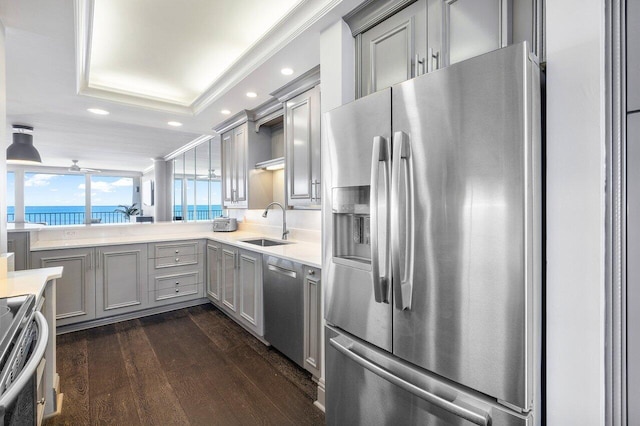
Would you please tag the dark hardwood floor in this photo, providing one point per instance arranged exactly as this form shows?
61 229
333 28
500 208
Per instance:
189 367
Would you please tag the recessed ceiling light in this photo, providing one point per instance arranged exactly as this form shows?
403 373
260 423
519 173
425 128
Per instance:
251 94
174 123
98 111
225 112
286 71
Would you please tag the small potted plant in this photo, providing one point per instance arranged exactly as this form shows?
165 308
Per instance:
127 211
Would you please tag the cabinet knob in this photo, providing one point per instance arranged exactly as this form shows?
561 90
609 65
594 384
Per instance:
177 282
177 259
177 290
177 251
312 272
42 401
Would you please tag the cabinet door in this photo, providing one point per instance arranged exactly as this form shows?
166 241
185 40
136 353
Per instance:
302 115
461 29
388 51
228 168
312 321
633 58
213 272
75 291
228 281
121 279
250 287
18 244
240 147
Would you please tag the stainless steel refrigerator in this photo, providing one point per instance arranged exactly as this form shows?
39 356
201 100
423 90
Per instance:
432 248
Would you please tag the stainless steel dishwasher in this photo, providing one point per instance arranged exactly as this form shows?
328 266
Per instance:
283 294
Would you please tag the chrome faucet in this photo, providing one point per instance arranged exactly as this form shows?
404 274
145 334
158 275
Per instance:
284 218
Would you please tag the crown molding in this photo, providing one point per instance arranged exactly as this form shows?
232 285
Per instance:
234 121
304 82
184 148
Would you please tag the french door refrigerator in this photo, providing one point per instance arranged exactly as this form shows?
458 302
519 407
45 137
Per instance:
431 246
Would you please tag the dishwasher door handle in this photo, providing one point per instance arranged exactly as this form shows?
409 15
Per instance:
282 271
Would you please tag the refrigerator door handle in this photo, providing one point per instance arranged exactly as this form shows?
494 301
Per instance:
480 418
402 213
380 155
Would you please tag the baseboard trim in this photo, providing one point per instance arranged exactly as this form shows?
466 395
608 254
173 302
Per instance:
130 315
321 395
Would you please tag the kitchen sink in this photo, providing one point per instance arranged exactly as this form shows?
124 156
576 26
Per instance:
265 243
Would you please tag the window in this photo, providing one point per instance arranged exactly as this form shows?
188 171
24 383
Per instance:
197 190
109 193
54 199
11 197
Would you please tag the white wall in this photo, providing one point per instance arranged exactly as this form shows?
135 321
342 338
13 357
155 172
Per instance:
575 212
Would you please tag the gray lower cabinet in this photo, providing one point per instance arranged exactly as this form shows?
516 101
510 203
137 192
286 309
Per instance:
214 257
234 283
18 244
228 271
75 291
250 289
176 271
121 279
312 320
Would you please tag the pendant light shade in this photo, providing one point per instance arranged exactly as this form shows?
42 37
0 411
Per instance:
22 151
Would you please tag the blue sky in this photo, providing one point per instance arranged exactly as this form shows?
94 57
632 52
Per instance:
42 189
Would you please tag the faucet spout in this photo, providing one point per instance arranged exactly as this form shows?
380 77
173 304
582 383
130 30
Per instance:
285 231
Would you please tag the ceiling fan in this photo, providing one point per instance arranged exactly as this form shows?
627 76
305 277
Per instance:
74 168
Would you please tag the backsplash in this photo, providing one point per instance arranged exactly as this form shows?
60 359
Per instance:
302 224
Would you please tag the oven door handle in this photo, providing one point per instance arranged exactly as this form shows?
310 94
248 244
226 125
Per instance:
29 369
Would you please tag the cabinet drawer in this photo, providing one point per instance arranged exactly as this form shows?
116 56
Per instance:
179 269
177 260
179 249
174 281
176 292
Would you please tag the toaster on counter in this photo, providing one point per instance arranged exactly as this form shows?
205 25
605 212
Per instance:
224 224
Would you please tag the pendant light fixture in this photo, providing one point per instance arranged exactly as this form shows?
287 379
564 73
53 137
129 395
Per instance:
22 151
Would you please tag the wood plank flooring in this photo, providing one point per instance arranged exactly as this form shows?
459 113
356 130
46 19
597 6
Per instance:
189 367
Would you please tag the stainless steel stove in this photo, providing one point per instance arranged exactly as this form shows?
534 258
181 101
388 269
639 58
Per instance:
23 339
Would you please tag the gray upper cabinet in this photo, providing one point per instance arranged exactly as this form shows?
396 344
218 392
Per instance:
394 50
633 56
302 145
398 39
242 185
462 29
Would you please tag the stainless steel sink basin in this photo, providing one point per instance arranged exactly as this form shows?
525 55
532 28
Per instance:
265 242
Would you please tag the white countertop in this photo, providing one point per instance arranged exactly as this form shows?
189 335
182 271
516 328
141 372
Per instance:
308 253
32 281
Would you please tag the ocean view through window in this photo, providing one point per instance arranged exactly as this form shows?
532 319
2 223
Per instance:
59 199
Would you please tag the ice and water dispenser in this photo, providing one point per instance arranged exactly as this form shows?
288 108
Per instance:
351 225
